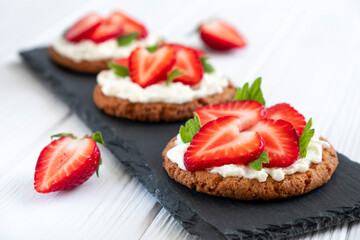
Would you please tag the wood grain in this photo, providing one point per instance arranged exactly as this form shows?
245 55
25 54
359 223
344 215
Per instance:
307 52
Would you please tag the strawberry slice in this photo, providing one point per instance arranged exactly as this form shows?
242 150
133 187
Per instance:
177 47
105 31
129 24
82 27
219 35
66 163
281 141
187 62
149 68
122 62
249 111
221 142
288 113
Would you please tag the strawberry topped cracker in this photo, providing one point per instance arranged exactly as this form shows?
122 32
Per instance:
242 149
94 40
165 82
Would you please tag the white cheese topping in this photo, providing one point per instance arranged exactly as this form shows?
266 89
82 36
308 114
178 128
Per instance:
90 51
314 155
178 93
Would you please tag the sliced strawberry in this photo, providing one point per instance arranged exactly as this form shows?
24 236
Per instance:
105 31
249 111
129 24
177 47
122 62
219 35
82 27
148 68
281 141
286 112
188 62
221 142
66 163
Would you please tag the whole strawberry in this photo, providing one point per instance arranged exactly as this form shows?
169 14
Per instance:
219 35
67 162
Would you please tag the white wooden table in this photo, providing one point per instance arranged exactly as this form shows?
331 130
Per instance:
308 53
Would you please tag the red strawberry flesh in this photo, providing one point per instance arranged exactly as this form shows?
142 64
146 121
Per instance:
149 68
281 141
83 27
220 35
129 24
288 113
188 62
105 31
177 47
221 142
249 111
66 163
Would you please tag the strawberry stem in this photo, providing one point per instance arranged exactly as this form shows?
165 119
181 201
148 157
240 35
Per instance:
97 170
97 138
59 135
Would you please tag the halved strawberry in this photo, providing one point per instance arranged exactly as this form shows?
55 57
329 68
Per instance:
177 47
221 142
187 62
219 35
286 112
129 24
148 68
249 111
281 141
105 31
122 62
66 163
82 27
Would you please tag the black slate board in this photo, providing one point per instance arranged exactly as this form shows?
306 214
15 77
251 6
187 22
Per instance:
139 145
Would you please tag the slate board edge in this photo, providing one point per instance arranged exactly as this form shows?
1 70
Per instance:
207 230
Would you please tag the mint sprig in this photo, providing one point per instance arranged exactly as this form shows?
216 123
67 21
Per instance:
208 68
125 40
305 138
192 126
257 163
250 93
119 70
174 74
153 48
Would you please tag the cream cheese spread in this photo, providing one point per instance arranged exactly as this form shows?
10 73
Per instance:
314 155
90 51
178 93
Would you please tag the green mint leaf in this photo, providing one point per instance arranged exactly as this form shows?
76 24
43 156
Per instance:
127 39
153 48
257 163
59 135
208 68
305 138
119 70
252 93
174 74
192 126
98 138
